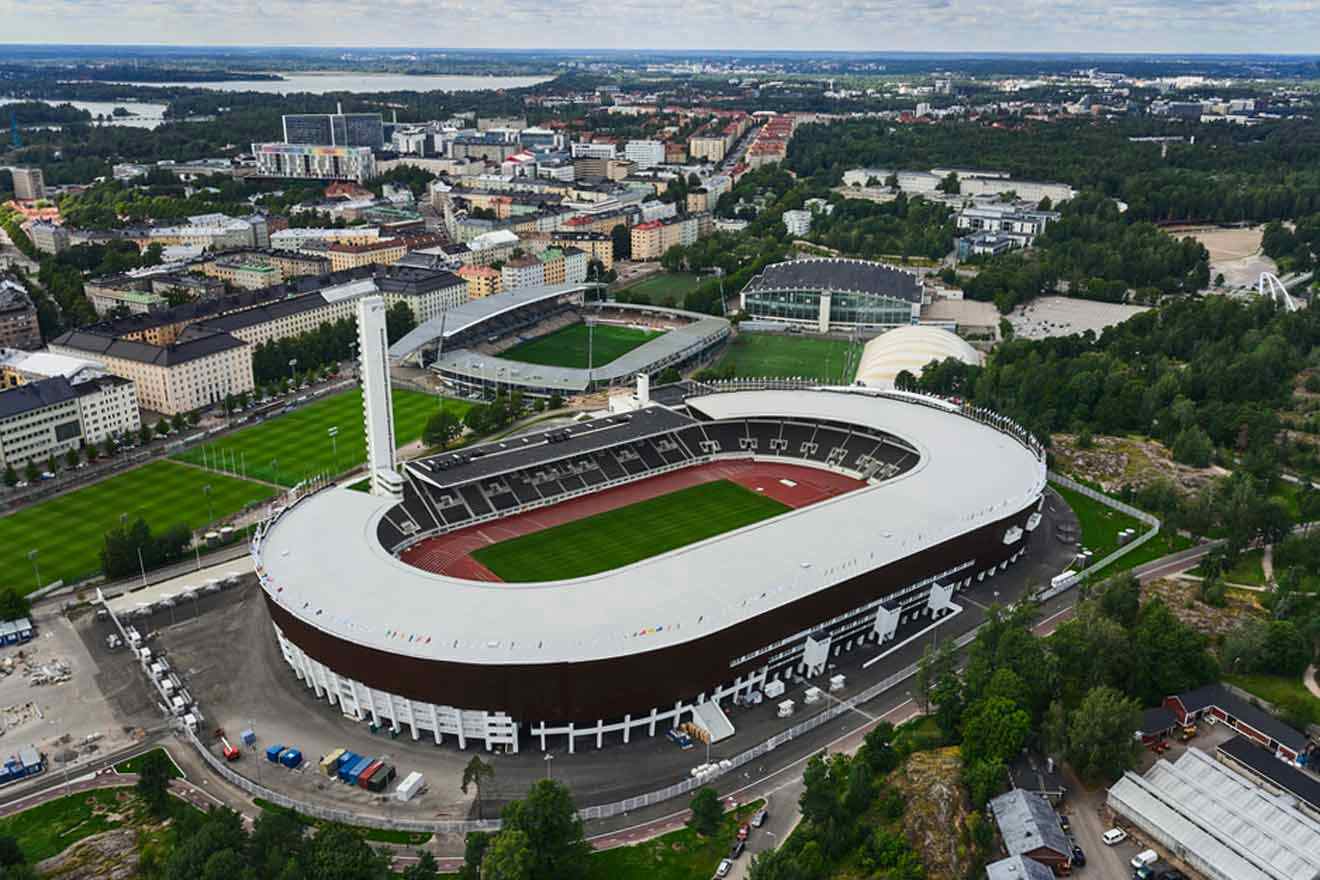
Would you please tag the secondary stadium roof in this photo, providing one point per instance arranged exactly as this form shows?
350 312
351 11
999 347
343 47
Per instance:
910 348
838 275
322 562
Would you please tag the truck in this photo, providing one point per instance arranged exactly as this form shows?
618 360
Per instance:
228 750
28 762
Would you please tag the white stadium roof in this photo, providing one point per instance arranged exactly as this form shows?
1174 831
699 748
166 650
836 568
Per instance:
910 348
323 563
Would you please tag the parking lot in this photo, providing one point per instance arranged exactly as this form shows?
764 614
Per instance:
1063 316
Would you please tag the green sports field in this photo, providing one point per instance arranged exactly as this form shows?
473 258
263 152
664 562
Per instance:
628 534
68 531
567 347
759 355
289 447
665 289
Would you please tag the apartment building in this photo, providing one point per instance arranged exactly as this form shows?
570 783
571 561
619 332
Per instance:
208 231
38 420
107 407
18 316
382 252
200 369
29 184
798 223
288 264
308 162
651 240
645 154
481 281
48 237
596 245
428 293
524 271
245 273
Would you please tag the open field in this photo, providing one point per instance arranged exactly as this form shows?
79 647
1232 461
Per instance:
666 289
1049 316
50 828
678 855
1248 569
286 449
68 531
134 764
567 346
1100 527
628 534
757 355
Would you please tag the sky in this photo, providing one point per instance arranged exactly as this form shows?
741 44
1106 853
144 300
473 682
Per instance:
1206 26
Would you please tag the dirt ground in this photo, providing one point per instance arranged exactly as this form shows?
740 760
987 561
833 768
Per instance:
936 810
1234 253
1179 594
1063 316
1114 462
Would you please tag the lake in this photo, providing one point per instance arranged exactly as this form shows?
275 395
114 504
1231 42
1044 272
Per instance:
144 115
361 83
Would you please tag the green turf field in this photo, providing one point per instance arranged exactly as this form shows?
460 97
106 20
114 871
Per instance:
628 534
68 531
756 355
567 347
665 289
289 447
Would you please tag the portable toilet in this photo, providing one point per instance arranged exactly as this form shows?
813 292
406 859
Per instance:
291 758
812 695
786 709
410 787
330 763
23 629
837 682
273 753
774 689
248 737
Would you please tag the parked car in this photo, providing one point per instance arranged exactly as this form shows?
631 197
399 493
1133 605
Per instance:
1144 858
1079 857
1114 836
738 847
743 831
725 867
1063 823
759 819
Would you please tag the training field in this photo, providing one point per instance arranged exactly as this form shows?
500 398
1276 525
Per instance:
665 289
567 347
756 355
287 448
628 534
68 531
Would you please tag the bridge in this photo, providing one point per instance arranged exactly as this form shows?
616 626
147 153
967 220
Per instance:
1269 285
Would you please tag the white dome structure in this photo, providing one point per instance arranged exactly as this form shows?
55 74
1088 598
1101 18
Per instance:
910 348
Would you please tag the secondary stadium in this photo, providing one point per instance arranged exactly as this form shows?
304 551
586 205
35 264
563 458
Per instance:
627 574
555 342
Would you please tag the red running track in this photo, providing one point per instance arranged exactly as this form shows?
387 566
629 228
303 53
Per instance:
451 554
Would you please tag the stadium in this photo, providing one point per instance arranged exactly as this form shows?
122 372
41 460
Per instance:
835 293
554 342
692 550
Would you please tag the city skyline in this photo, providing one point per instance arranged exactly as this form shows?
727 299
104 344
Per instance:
1183 26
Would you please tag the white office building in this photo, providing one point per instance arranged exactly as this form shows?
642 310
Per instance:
645 154
798 223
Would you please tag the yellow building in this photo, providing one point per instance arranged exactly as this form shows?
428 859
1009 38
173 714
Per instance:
352 256
482 281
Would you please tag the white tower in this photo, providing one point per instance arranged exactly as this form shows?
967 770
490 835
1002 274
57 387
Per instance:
377 407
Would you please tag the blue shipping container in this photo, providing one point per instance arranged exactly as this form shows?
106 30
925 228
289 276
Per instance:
346 763
291 758
273 753
356 771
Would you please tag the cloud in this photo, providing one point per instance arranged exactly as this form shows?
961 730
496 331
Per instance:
857 25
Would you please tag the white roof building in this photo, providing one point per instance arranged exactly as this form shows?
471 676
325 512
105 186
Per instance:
911 349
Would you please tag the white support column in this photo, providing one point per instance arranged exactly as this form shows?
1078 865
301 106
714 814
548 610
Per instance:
600 734
627 728
541 733
571 747
652 730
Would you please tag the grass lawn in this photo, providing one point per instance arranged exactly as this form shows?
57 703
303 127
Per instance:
288 448
628 534
49 829
567 346
133 764
68 531
678 855
1279 690
1101 525
1247 570
665 289
757 355
376 835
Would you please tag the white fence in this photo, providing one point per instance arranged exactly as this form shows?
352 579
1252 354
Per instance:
1114 503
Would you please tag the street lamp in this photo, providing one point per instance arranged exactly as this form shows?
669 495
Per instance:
548 758
210 508
293 363
36 572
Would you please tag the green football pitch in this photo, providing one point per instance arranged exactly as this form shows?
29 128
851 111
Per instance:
68 531
628 534
567 347
290 447
762 355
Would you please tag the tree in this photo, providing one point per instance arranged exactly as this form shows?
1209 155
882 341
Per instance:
984 779
621 238
145 434
994 729
10 853
30 472
1120 599
71 459
277 837
179 422
51 466
1100 741
14 605
442 428
1193 447
508 858
878 748
340 853
549 818
11 476
477 773
474 850
706 811
162 427
399 321
425 868
154 782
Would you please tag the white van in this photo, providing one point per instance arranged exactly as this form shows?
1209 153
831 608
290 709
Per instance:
1144 858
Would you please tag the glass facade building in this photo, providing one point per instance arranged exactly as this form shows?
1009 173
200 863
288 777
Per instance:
335 130
835 293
